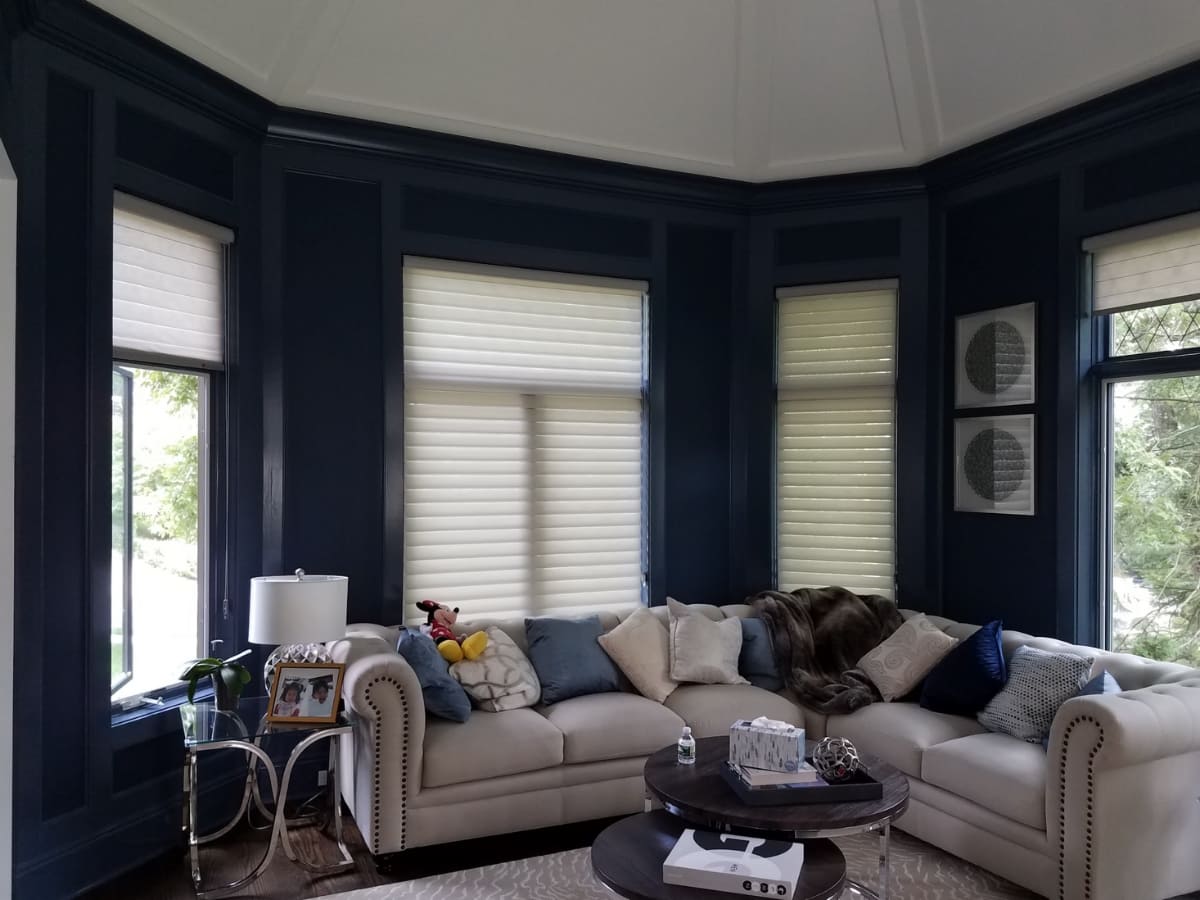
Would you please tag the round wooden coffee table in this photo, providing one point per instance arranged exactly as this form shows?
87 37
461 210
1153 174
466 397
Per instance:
628 858
698 796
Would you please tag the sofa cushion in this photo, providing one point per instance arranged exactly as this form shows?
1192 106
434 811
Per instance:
567 658
487 745
443 695
709 709
639 647
596 727
898 664
1000 773
969 676
900 733
502 678
702 650
1039 682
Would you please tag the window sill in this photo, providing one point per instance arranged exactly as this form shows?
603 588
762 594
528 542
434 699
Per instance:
144 723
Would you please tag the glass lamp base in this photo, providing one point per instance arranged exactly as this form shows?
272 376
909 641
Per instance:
291 653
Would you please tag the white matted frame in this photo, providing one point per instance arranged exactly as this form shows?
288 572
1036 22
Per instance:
995 354
995 465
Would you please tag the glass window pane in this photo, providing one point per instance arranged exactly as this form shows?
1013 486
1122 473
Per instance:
1155 590
168 449
1173 326
122 527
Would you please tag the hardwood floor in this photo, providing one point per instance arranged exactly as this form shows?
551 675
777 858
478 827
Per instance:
234 855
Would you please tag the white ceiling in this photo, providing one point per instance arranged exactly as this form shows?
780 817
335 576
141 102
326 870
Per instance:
757 90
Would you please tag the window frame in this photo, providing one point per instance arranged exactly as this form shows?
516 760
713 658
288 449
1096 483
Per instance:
838 287
218 623
1107 371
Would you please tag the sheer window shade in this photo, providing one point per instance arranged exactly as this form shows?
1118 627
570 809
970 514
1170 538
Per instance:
1146 266
168 291
523 440
835 435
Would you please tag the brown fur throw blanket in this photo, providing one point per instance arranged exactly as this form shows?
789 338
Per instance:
820 634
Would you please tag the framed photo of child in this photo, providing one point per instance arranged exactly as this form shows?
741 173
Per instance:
306 693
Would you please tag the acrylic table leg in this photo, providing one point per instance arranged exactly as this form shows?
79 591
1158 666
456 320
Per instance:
335 794
193 838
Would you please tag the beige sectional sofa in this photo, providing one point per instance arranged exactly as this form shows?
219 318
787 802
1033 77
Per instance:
1110 812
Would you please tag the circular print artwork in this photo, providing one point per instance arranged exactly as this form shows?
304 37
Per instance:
995 357
995 464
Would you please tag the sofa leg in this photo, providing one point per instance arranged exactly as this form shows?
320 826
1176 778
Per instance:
390 865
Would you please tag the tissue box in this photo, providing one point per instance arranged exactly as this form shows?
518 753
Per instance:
766 744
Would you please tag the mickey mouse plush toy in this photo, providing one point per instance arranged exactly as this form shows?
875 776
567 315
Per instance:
438 624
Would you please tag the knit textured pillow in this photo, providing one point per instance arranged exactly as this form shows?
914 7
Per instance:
501 678
1039 682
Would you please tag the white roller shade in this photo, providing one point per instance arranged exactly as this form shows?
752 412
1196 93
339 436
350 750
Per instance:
479 325
168 285
1146 266
835 435
523 471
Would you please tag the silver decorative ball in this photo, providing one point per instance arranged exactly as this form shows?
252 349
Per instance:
836 759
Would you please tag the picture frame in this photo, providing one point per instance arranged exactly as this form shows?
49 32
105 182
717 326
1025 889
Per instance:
995 465
995 357
306 693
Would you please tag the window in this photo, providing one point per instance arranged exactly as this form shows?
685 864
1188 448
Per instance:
168 351
523 440
834 432
1145 287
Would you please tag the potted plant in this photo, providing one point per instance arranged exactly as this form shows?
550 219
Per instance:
229 678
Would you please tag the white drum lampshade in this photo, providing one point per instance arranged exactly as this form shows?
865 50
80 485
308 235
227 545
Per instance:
299 613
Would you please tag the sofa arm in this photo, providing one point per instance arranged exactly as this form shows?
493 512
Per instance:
1121 793
383 692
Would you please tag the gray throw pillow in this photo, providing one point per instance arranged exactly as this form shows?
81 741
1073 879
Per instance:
702 650
1039 682
444 697
568 657
757 658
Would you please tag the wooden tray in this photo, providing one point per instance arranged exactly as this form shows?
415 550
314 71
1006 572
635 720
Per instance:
861 786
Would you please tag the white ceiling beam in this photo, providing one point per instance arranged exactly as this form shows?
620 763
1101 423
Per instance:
908 67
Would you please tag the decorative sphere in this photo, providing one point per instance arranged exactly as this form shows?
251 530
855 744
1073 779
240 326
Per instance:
836 759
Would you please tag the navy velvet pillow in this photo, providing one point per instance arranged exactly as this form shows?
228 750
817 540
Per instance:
969 676
568 659
1101 684
444 697
756 661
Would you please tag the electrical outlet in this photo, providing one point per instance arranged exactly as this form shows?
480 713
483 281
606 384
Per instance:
323 778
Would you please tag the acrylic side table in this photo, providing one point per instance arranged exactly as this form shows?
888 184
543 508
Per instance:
207 728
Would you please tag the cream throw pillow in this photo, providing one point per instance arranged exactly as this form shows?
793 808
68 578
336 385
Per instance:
501 678
898 664
702 650
639 648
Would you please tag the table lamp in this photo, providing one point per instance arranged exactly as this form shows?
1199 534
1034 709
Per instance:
298 613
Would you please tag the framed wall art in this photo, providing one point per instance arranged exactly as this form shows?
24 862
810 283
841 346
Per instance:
994 465
994 357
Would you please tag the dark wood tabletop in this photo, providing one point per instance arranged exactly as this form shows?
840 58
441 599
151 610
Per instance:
628 857
698 794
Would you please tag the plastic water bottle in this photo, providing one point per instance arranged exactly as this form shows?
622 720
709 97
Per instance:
686 755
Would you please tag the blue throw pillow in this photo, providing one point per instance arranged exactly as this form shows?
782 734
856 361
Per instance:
969 676
1101 684
568 659
444 697
756 661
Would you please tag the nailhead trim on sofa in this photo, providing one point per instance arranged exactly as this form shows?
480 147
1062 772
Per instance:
375 775
1062 807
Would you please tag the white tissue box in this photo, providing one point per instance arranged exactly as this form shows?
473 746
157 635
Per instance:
766 744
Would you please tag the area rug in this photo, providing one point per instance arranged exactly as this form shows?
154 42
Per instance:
919 872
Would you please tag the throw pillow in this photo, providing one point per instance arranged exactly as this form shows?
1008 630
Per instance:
702 650
756 661
501 678
1103 683
444 697
568 659
898 664
969 676
1039 682
639 646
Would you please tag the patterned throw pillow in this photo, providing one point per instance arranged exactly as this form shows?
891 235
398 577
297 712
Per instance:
502 678
702 650
1039 682
898 664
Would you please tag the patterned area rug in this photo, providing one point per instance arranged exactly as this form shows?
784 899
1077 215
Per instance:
919 872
